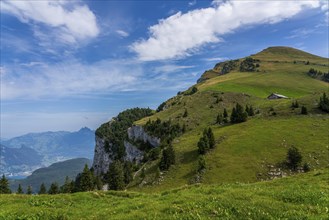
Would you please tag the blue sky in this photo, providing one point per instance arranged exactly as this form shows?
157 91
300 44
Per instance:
70 64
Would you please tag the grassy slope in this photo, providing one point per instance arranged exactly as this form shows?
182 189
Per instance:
302 196
244 150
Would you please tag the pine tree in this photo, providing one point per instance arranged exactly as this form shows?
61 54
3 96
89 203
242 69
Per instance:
304 110
203 144
294 158
98 183
219 119
242 115
128 172
86 180
29 190
4 185
19 189
201 163
238 114
168 158
54 189
211 138
247 109
225 115
42 189
324 103
116 176
67 186
250 111
234 116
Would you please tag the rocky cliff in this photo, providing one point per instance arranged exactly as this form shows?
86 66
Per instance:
138 133
103 158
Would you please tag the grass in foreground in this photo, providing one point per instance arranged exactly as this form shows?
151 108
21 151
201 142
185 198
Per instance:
304 196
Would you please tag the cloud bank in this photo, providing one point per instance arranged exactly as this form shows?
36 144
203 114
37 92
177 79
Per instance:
71 22
180 35
65 79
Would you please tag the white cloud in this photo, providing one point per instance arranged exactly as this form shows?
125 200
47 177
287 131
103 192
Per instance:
66 79
170 68
71 22
180 35
122 33
211 59
300 33
325 8
36 80
192 3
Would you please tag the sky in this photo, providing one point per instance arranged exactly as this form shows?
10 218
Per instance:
70 64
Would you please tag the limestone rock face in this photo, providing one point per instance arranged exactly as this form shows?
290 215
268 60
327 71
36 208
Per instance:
137 133
132 152
103 158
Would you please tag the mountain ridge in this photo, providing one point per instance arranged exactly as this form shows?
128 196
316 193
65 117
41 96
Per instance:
56 172
50 147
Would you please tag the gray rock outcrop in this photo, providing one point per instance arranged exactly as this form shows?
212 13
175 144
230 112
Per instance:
103 158
137 133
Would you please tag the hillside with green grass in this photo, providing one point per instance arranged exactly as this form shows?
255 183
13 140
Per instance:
303 196
246 152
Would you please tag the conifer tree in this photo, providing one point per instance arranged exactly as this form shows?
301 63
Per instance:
98 183
116 176
201 163
42 189
4 185
304 110
168 158
294 158
86 182
225 115
19 189
67 186
233 116
203 144
324 103
219 119
128 172
247 109
54 189
211 138
29 190
238 114
250 111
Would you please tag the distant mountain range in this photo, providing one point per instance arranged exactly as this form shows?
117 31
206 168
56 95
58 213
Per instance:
56 172
21 155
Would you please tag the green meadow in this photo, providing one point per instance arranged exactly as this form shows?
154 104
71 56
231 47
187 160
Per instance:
303 196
